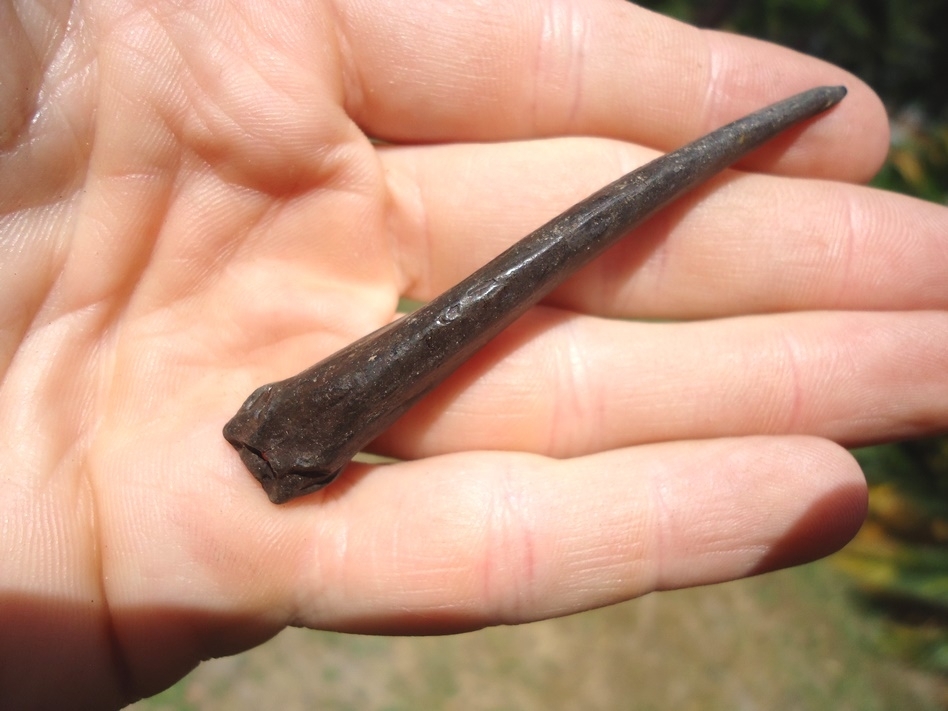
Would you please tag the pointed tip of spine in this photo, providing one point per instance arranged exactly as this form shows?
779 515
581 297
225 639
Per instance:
834 94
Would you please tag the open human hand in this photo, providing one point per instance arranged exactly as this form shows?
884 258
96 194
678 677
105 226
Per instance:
192 206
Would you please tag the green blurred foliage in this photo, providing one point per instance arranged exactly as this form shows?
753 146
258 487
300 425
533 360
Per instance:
899 560
918 158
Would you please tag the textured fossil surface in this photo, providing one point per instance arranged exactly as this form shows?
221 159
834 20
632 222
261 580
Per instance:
296 435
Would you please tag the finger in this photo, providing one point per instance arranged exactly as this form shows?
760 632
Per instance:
743 243
462 541
491 71
564 385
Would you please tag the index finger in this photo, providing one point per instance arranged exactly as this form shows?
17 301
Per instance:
502 70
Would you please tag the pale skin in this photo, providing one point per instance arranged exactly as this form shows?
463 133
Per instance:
191 207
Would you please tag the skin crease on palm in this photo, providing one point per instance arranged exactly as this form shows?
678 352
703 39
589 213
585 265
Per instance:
192 206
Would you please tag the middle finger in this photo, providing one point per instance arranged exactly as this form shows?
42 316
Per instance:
565 385
743 243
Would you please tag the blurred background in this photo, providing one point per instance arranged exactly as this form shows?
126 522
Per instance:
899 562
865 629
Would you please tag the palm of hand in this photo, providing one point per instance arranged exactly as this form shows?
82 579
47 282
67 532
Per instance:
191 208
171 252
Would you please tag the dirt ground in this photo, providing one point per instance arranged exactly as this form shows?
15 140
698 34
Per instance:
790 640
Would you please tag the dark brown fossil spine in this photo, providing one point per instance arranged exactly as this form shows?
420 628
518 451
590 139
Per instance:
296 435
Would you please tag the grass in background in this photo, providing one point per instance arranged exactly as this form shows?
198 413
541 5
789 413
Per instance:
788 640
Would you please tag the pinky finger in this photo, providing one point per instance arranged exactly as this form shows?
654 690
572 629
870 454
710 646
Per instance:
476 539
